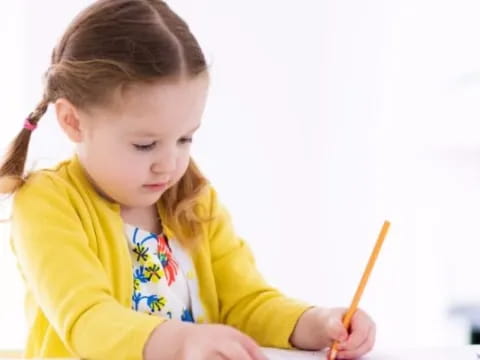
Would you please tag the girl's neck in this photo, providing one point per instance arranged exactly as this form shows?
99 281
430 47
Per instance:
146 218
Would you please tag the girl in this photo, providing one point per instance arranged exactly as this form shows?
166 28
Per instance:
125 249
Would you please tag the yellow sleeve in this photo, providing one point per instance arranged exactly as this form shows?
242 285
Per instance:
67 280
246 301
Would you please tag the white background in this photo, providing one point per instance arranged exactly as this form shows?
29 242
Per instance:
324 119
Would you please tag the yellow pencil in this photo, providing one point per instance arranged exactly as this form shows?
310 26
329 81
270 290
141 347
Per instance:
361 286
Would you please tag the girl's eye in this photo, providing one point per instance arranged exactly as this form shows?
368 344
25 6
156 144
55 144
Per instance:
146 147
186 140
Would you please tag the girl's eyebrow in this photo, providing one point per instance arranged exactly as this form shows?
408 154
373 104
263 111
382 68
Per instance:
147 133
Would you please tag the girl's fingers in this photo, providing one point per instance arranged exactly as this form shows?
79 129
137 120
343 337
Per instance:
364 348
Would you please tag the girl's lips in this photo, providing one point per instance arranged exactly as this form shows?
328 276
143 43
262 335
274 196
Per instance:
156 187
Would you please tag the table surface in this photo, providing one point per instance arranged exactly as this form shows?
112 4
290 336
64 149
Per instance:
460 353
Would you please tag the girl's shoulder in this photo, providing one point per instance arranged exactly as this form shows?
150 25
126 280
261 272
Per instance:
207 202
57 175
41 183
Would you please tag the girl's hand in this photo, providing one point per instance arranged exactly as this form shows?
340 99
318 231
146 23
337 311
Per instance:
318 328
176 340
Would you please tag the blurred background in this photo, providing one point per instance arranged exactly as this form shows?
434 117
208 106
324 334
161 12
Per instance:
324 119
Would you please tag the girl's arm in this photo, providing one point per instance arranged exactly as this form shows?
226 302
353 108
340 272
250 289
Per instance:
246 300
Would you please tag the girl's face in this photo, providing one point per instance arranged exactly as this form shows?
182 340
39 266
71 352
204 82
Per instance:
139 146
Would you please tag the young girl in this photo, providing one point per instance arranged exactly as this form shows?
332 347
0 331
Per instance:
125 249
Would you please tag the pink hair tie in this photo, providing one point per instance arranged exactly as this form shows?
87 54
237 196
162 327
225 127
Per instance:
29 125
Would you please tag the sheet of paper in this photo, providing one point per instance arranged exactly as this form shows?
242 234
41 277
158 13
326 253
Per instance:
276 354
465 353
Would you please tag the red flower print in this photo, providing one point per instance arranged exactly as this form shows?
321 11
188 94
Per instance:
165 256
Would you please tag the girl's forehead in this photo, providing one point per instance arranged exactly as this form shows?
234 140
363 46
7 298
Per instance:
158 106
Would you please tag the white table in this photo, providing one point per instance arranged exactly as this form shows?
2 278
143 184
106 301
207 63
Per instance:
463 353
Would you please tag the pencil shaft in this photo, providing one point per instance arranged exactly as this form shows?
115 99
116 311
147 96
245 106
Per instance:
366 274
361 286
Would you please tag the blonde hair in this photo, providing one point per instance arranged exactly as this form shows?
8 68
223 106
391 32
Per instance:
114 43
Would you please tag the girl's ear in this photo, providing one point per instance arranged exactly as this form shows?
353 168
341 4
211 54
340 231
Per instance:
67 117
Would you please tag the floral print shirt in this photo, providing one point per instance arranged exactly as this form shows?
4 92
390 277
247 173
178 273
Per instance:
159 284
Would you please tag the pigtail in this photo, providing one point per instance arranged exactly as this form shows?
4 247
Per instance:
13 165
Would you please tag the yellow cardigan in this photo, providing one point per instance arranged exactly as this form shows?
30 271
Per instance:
73 256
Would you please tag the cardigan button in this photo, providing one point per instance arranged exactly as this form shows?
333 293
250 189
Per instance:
190 275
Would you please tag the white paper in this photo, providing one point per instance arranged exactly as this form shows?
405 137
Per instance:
465 353
276 354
